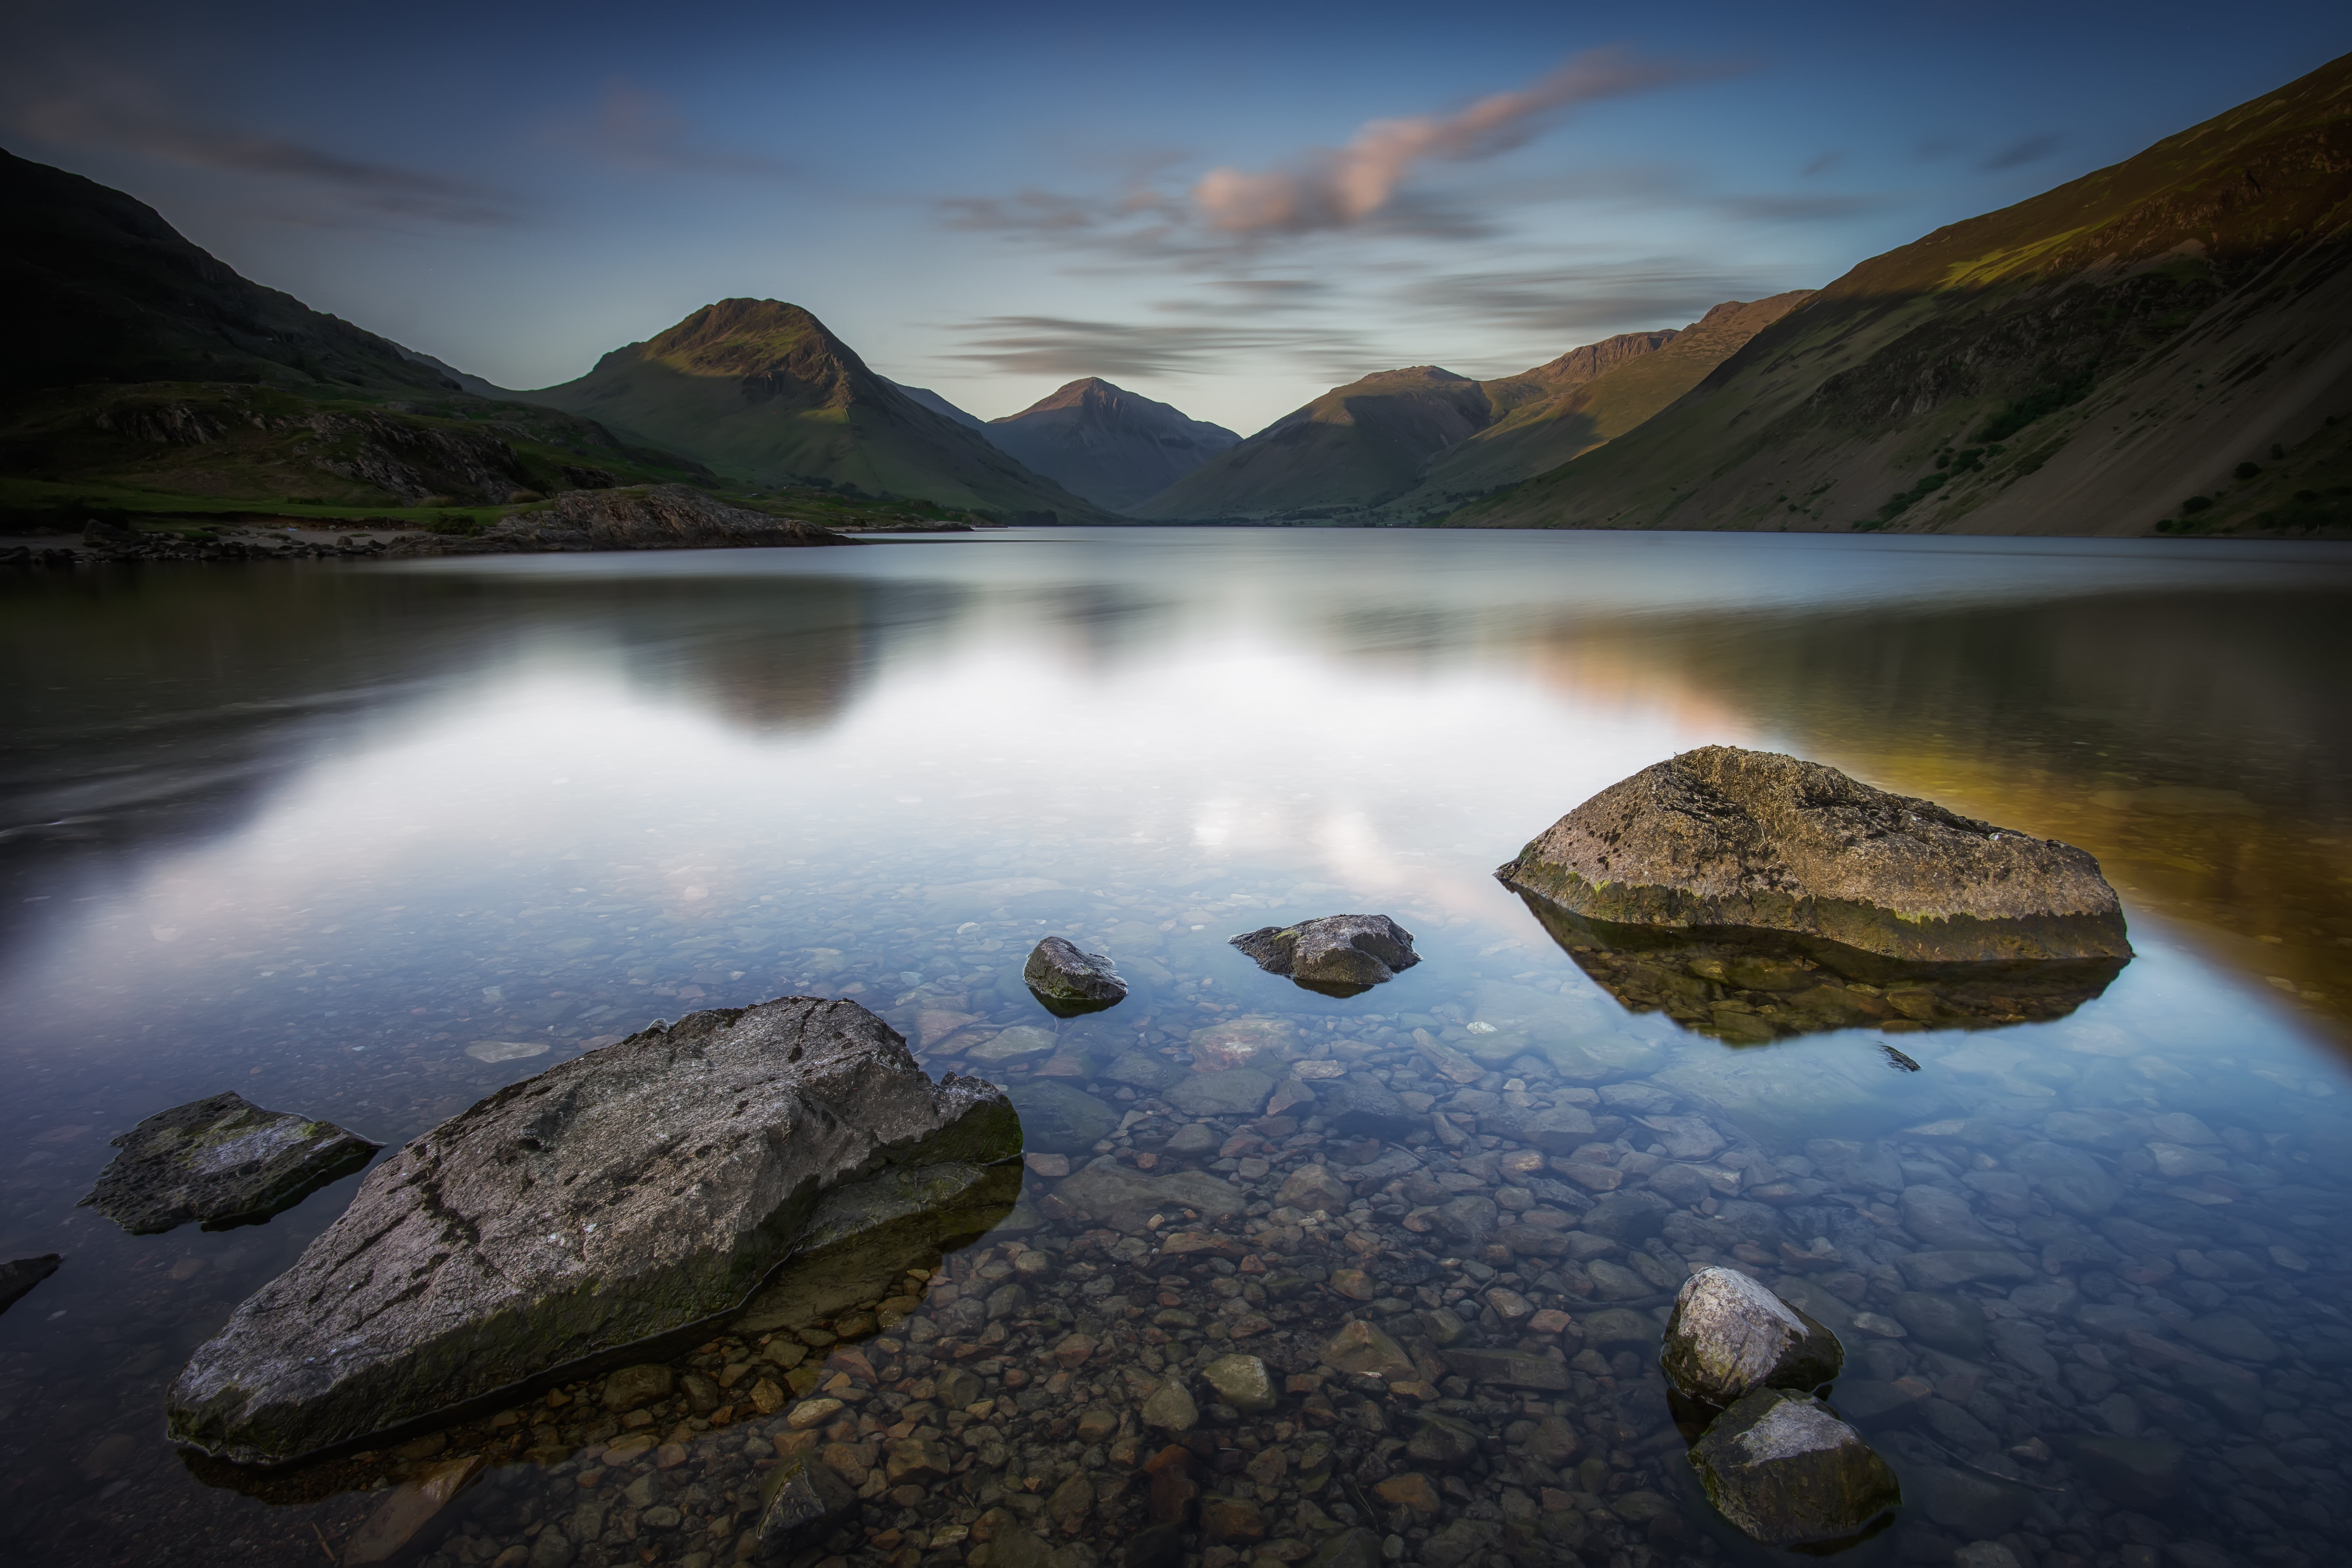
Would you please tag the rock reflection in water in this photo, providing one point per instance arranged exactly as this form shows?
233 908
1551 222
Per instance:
1752 987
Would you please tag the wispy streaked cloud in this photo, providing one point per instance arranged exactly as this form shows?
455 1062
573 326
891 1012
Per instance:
1568 305
1067 347
638 130
1342 188
131 117
1796 208
2018 153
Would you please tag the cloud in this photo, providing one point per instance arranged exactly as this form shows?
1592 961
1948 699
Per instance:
638 130
1797 209
1825 164
1342 188
2023 151
129 117
1577 302
1067 347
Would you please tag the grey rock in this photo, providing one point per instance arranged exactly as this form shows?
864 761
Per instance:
1195 1139
1557 1129
1342 954
1941 1217
1618 1328
801 1501
1970 1504
1115 1192
1443 1442
1061 1120
633 1192
221 1162
1505 1368
2229 1335
1467 1221
1945 1322
1628 1217
1355 1547
634 1385
1140 1069
1361 1106
1171 1408
1787 1472
1235 1092
551 1548
1363 1351
1241 1382
23 1274
1729 1335
1726 837
1069 982
1942 1270
2137 1472
2071 1179
1463 1542
1682 1186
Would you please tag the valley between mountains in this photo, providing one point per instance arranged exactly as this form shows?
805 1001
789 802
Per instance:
2163 347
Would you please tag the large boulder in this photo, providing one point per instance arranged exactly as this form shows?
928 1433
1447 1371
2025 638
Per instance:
1337 954
221 1162
636 1193
1070 982
1788 1472
21 1274
1729 1334
1722 838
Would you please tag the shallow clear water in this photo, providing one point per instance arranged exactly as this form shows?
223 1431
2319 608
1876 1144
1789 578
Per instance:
315 833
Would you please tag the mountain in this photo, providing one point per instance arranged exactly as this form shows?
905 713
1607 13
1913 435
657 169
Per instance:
139 364
1543 420
1409 445
2163 345
1353 447
99 289
762 393
1107 444
938 405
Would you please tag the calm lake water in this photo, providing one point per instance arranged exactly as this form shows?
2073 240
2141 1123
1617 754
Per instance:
368 842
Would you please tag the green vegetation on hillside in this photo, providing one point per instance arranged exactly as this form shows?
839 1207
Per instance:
2124 339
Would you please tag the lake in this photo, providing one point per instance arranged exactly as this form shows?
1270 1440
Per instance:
368 842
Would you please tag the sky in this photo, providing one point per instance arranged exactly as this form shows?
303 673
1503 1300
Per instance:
1228 207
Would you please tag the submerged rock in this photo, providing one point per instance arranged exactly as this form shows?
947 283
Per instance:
23 1274
1729 1335
1788 1472
221 1162
1069 982
636 1194
1061 1120
800 1501
1337 954
1722 838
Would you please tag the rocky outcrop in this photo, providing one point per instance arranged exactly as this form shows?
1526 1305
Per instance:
1722 838
1337 954
1070 982
21 1274
1788 1472
636 1194
1729 1335
658 516
221 1162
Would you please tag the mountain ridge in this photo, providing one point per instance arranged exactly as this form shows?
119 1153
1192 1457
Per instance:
1114 447
2043 368
763 391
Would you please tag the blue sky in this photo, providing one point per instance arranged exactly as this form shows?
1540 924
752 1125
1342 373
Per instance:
1226 207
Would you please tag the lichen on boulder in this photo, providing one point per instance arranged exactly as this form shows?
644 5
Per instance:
1723 838
1784 1470
221 1162
1729 1335
635 1194
1069 981
1337 954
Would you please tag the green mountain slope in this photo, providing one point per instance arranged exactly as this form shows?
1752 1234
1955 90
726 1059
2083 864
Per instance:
98 288
1110 446
762 393
1352 448
2162 345
137 365
1565 420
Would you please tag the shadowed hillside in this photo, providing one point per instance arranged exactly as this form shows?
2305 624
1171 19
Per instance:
761 392
1107 444
2164 345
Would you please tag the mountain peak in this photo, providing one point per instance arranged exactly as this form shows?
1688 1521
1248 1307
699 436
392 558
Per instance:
752 337
1112 446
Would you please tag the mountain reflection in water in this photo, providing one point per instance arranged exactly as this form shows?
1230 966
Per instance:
347 838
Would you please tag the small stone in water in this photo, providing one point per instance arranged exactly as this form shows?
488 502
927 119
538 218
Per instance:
222 1161
1241 1382
506 1050
1069 982
1788 1472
